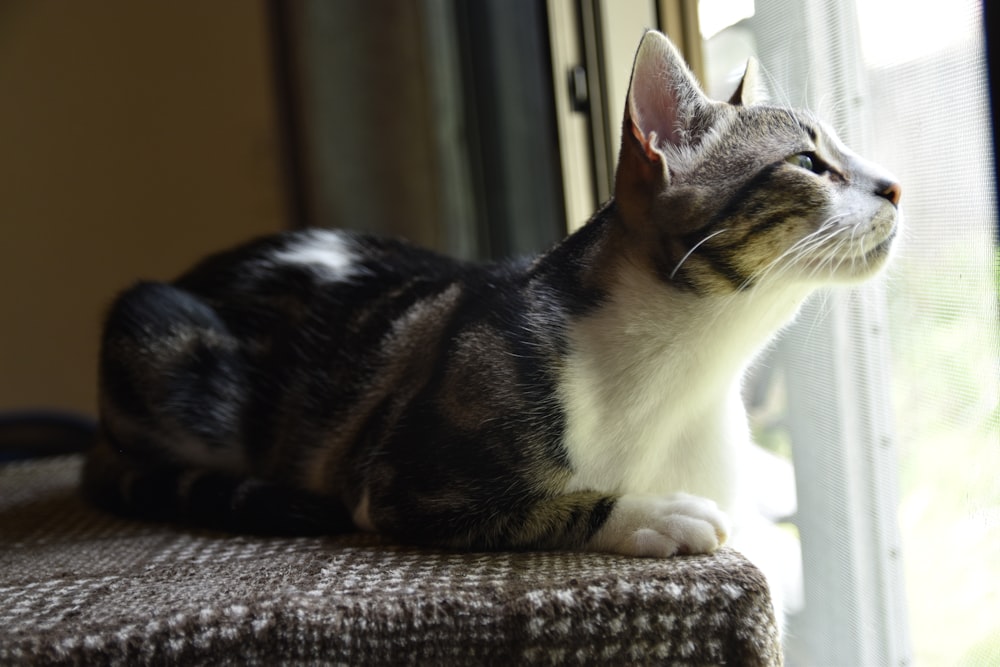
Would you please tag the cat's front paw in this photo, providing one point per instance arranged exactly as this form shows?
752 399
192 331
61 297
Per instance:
662 527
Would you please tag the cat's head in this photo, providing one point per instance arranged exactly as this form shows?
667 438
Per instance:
725 196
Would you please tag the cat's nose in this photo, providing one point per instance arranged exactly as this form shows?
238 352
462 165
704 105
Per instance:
891 191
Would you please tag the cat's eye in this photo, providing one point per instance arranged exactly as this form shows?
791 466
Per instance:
800 160
807 161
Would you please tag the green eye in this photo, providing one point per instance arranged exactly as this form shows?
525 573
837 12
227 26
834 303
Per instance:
802 160
809 162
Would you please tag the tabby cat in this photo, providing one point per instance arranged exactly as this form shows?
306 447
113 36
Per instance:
589 399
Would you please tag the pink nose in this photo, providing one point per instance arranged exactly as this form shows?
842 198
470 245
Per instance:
892 192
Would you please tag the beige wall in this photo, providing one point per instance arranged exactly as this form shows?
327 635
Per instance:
134 137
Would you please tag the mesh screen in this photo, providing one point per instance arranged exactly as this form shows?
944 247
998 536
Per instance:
890 392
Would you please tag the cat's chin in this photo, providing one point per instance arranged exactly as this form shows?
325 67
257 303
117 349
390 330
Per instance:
864 268
872 262
854 267
879 255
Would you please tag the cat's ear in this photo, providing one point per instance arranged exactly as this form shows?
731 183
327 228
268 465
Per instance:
665 107
663 99
748 91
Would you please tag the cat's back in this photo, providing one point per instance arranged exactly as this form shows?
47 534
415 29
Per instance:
258 348
317 258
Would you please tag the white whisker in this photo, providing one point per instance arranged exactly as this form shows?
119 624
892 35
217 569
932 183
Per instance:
693 248
804 246
825 235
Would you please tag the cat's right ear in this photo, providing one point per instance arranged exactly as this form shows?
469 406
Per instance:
663 97
664 102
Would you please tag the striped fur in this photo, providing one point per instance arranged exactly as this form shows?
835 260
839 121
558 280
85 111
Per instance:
322 380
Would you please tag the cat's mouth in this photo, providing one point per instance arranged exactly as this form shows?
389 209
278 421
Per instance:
881 230
857 258
882 249
873 259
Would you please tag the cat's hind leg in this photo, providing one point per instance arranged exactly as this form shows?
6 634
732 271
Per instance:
174 394
173 379
207 498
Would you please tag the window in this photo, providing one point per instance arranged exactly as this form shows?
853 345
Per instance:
888 394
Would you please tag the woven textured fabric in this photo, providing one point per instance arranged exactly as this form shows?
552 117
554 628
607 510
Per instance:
81 587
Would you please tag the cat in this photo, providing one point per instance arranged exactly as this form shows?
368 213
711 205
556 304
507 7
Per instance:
320 381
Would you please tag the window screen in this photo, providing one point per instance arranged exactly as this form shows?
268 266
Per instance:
886 396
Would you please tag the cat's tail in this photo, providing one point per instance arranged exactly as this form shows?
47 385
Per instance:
207 498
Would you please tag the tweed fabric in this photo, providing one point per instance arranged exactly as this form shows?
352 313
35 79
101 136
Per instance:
80 587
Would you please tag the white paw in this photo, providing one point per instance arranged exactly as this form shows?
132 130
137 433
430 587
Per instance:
662 527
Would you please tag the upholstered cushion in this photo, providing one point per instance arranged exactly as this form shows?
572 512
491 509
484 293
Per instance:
79 586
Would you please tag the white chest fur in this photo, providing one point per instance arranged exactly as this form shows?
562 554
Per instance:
651 387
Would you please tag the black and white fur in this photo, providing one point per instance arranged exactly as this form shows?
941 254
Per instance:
587 399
